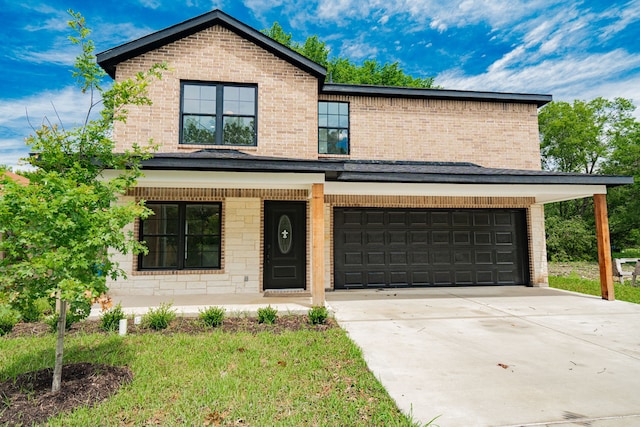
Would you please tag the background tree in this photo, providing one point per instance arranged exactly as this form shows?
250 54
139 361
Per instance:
58 229
343 70
598 136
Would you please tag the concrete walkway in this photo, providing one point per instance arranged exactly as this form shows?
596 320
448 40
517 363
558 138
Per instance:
500 356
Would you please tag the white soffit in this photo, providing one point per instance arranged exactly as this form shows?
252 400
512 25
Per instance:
543 193
202 179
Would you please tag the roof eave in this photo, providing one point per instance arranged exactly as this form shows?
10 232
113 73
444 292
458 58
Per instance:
407 92
109 59
338 171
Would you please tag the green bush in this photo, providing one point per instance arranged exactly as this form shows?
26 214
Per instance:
318 315
159 318
267 315
570 239
212 316
110 319
34 310
8 319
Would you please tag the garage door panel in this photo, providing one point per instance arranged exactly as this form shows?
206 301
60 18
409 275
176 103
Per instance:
398 258
482 238
441 238
375 237
377 278
419 258
462 237
429 247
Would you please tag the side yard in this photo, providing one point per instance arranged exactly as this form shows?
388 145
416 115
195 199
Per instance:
584 277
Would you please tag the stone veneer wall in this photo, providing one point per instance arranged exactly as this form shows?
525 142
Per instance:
242 244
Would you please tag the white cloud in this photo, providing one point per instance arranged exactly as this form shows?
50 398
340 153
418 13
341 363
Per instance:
151 4
18 117
597 76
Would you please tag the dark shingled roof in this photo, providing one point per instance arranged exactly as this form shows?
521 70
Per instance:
346 170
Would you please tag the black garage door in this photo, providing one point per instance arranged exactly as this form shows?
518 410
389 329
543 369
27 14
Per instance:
429 247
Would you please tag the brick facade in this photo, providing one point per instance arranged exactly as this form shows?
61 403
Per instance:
487 133
491 134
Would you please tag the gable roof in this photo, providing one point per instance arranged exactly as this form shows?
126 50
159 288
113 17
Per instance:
109 60
112 57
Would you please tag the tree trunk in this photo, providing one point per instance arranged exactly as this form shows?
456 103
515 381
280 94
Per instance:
57 370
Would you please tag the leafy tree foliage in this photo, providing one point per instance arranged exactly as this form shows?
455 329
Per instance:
595 137
343 70
57 229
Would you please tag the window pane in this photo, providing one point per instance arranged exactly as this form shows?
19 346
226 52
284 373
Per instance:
333 120
198 129
162 253
333 141
199 99
343 121
191 92
202 219
239 101
344 108
322 107
322 141
202 252
333 107
239 131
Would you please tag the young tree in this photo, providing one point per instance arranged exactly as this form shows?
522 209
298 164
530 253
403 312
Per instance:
58 229
343 70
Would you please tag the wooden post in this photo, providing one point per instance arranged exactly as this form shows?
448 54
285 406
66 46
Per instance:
317 245
604 246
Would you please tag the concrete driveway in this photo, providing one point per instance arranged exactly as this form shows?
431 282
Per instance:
500 356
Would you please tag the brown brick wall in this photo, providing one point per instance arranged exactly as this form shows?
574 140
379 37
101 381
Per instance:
491 134
287 96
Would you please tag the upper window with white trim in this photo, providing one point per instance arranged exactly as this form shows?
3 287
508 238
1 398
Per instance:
218 114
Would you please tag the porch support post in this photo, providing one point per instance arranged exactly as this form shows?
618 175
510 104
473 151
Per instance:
604 246
317 245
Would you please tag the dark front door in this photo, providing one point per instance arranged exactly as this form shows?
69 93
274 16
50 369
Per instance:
285 245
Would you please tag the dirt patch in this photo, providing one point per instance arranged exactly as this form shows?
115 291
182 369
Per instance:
584 270
27 399
185 325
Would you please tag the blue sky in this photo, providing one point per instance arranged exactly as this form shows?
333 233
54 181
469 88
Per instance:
571 50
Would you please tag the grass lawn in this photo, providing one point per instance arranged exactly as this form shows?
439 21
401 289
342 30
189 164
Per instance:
220 378
584 278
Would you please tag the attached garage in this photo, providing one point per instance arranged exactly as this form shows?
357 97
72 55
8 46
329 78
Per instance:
378 247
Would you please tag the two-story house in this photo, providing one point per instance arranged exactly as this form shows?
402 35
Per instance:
269 178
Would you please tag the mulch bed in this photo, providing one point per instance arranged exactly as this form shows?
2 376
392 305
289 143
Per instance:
27 399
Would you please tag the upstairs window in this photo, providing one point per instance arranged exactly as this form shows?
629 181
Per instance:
218 114
181 236
333 127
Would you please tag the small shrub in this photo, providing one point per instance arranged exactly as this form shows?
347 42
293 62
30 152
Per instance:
318 315
110 319
212 316
34 311
159 318
267 315
8 319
